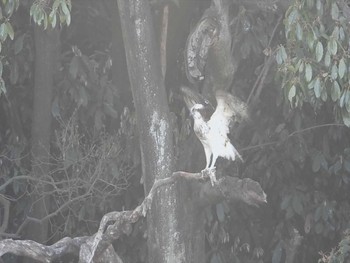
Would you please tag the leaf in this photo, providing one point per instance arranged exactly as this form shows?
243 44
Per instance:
327 59
284 53
277 253
310 39
293 15
341 33
337 167
326 212
297 205
279 57
324 95
319 7
308 72
3 32
53 18
280 127
220 212
341 68
301 67
291 93
335 11
1 69
83 97
319 51
347 100
68 19
65 8
55 109
346 118
9 30
335 33
285 202
299 32
317 88
342 100
335 91
2 86
332 46
334 72
318 213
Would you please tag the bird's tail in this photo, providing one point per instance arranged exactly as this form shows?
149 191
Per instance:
234 153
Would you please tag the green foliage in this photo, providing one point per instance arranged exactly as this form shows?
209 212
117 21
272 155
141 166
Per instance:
341 254
89 85
44 15
315 61
7 8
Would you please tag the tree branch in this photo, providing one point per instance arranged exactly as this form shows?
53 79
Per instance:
94 248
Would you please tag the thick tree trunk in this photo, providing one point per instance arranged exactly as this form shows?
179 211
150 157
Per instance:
46 43
167 239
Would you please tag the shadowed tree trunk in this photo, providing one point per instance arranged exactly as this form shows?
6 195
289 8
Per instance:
46 44
171 225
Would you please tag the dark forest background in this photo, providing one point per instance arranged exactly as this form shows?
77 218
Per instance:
69 144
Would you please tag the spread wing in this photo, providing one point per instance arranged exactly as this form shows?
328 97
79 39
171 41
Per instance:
221 117
228 107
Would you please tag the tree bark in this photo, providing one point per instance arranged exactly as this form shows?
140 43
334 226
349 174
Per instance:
46 43
166 241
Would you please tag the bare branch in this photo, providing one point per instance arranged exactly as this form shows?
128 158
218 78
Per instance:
259 146
98 246
260 81
42 253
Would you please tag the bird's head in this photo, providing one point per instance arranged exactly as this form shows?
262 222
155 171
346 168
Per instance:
197 104
196 111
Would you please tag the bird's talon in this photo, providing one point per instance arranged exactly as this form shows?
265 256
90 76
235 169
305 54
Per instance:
211 173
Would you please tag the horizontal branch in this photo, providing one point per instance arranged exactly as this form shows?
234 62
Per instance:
42 253
93 248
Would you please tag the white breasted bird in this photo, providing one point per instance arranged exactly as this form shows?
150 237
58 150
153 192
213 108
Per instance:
211 126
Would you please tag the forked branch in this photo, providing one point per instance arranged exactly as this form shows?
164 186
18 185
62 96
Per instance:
97 248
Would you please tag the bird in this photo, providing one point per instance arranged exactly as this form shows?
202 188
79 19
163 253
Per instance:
211 125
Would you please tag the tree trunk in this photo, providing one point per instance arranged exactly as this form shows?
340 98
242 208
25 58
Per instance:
46 44
119 69
170 221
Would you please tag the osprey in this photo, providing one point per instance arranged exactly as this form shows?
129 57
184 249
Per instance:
211 126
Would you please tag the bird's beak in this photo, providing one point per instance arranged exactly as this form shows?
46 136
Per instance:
191 97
